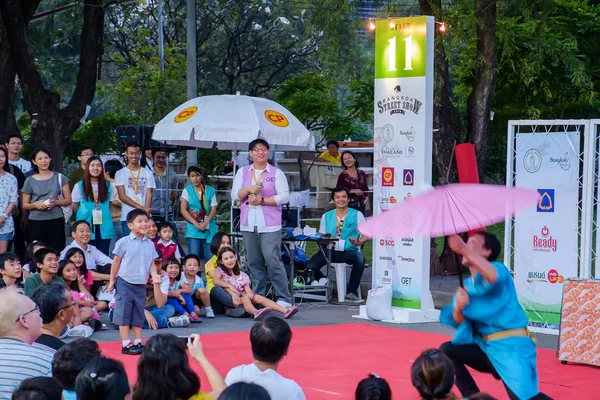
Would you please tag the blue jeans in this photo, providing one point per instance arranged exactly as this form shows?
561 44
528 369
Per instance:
125 228
179 308
161 315
118 235
220 300
352 257
195 245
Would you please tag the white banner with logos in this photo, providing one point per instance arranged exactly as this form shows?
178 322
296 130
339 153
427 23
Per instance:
546 237
402 165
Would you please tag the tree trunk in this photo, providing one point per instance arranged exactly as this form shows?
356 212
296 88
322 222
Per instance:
480 100
445 116
55 125
8 123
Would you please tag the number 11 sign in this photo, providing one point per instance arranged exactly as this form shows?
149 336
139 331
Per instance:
403 144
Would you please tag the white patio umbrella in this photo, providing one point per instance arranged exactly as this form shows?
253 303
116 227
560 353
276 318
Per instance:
232 121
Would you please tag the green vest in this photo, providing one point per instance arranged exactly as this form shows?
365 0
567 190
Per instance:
195 204
86 207
348 228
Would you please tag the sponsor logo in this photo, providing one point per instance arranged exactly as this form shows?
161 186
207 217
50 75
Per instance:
399 104
546 201
276 118
552 276
386 279
410 134
397 89
408 196
386 242
407 241
405 281
388 132
386 258
563 162
186 114
555 277
545 242
410 151
387 176
532 161
406 259
390 200
392 151
408 177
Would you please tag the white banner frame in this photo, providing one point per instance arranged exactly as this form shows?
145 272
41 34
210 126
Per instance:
586 184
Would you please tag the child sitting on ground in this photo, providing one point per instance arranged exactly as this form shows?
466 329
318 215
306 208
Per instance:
239 287
81 296
76 256
165 243
29 267
182 302
192 284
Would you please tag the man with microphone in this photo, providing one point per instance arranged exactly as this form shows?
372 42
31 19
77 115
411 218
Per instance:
262 189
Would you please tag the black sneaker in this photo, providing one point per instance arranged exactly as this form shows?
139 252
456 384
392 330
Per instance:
235 312
132 350
139 346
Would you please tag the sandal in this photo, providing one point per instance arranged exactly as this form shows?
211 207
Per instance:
263 312
290 312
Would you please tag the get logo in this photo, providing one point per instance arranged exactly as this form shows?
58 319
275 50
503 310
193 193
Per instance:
185 114
386 242
276 118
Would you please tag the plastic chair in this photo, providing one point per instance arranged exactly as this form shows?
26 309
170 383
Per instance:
340 279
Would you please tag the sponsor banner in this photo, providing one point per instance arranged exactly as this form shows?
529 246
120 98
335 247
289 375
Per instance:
546 237
402 155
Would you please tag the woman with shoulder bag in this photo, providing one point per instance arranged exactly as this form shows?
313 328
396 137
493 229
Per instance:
198 206
92 198
44 193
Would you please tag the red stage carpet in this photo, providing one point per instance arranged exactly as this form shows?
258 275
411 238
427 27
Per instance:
329 361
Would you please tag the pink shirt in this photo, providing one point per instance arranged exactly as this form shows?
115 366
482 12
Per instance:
239 283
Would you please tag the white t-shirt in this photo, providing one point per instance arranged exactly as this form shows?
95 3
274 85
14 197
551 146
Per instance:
127 178
76 196
23 165
279 388
186 196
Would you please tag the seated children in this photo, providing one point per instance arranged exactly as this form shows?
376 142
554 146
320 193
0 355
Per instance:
191 283
134 261
182 302
76 256
10 270
158 313
239 287
84 300
46 261
29 267
165 243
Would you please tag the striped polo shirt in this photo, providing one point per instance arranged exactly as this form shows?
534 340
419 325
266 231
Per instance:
20 361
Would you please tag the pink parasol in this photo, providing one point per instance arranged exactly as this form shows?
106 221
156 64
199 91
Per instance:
449 210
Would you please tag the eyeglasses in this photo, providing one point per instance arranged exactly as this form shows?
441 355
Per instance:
28 312
261 150
65 307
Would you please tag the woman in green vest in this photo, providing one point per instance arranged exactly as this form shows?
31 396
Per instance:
198 206
91 202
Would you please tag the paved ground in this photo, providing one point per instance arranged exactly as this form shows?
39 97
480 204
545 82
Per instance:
308 316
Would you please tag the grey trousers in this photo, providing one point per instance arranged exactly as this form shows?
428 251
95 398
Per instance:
264 257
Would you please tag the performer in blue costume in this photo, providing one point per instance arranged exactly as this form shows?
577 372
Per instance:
491 325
